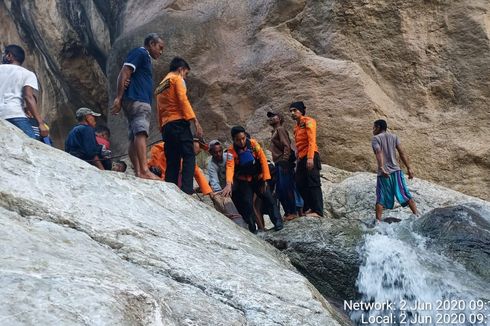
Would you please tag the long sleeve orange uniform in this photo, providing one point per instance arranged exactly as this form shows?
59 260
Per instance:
172 101
159 160
305 137
232 160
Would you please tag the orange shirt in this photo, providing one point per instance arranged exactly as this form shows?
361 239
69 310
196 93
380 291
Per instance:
159 160
305 137
232 159
172 101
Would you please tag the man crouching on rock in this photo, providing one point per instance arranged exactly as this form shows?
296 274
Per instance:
390 181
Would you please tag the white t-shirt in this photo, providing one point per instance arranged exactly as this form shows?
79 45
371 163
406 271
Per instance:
13 78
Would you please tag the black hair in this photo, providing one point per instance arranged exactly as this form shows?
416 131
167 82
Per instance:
17 52
300 106
123 164
151 38
177 63
381 124
236 130
101 129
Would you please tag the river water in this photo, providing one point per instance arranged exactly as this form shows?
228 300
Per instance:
401 282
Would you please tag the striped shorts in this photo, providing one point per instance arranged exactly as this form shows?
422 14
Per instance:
389 188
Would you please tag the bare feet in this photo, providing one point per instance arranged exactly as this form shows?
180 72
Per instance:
148 175
313 214
290 217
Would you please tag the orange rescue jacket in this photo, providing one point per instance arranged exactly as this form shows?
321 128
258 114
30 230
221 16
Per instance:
172 101
305 137
232 161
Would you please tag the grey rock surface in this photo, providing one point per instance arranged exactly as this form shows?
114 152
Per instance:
85 247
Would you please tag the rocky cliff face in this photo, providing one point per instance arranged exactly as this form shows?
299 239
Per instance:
420 65
102 248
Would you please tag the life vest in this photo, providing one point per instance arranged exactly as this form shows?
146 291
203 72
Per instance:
247 165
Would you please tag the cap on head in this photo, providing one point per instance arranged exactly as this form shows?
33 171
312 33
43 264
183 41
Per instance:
236 130
212 143
82 112
300 106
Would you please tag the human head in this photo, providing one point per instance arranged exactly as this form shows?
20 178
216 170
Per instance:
87 116
216 150
239 136
275 118
103 131
154 44
119 166
199 144
180 66
379 126
13 54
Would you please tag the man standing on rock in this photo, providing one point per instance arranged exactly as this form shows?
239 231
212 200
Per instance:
309 164
135 99
17 87
175 116
390 181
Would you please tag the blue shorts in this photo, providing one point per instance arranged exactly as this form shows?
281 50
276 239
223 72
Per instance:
391 187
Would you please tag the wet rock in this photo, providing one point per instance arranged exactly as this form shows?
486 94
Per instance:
461 232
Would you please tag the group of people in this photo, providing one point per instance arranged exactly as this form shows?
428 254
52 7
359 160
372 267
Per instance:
239 177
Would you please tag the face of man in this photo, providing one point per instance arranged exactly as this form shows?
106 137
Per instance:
274 120
156 49
183 72
90 119
376 130
6 58
240 140
217 153
295 114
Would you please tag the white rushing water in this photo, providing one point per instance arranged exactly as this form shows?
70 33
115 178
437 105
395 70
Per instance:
404 283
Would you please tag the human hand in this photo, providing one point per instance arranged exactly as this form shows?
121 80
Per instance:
309 164
226 192
43 130
116 106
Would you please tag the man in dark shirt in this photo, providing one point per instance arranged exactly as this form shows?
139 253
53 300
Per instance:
81 139
134 96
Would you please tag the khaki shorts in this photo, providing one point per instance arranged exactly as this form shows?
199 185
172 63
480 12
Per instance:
138 115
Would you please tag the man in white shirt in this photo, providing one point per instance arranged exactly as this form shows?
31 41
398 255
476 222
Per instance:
17 90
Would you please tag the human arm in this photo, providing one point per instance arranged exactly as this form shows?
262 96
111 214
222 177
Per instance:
266 175
187 110
285 143
230 171
405 160
31 106
213 176
311 133
122 82
380 162
201 181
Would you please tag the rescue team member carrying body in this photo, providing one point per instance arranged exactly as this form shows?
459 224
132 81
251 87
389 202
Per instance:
246 173
158 164
175 115
309 164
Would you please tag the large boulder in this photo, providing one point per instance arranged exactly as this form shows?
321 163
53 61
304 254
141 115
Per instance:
461 232
84 246
419 64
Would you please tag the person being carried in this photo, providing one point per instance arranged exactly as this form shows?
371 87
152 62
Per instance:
247 172
103 138
81 140
174 116
217 180
309 164
134 96
18 87
158 164
390 182
283 157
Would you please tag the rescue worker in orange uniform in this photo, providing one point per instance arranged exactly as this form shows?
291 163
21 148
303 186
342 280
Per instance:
158 164
175 116
309 163
247 171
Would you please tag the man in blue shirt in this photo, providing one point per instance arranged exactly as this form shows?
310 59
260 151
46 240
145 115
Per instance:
134 96
81 139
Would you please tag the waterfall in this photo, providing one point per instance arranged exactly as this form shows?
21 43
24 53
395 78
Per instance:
401 282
